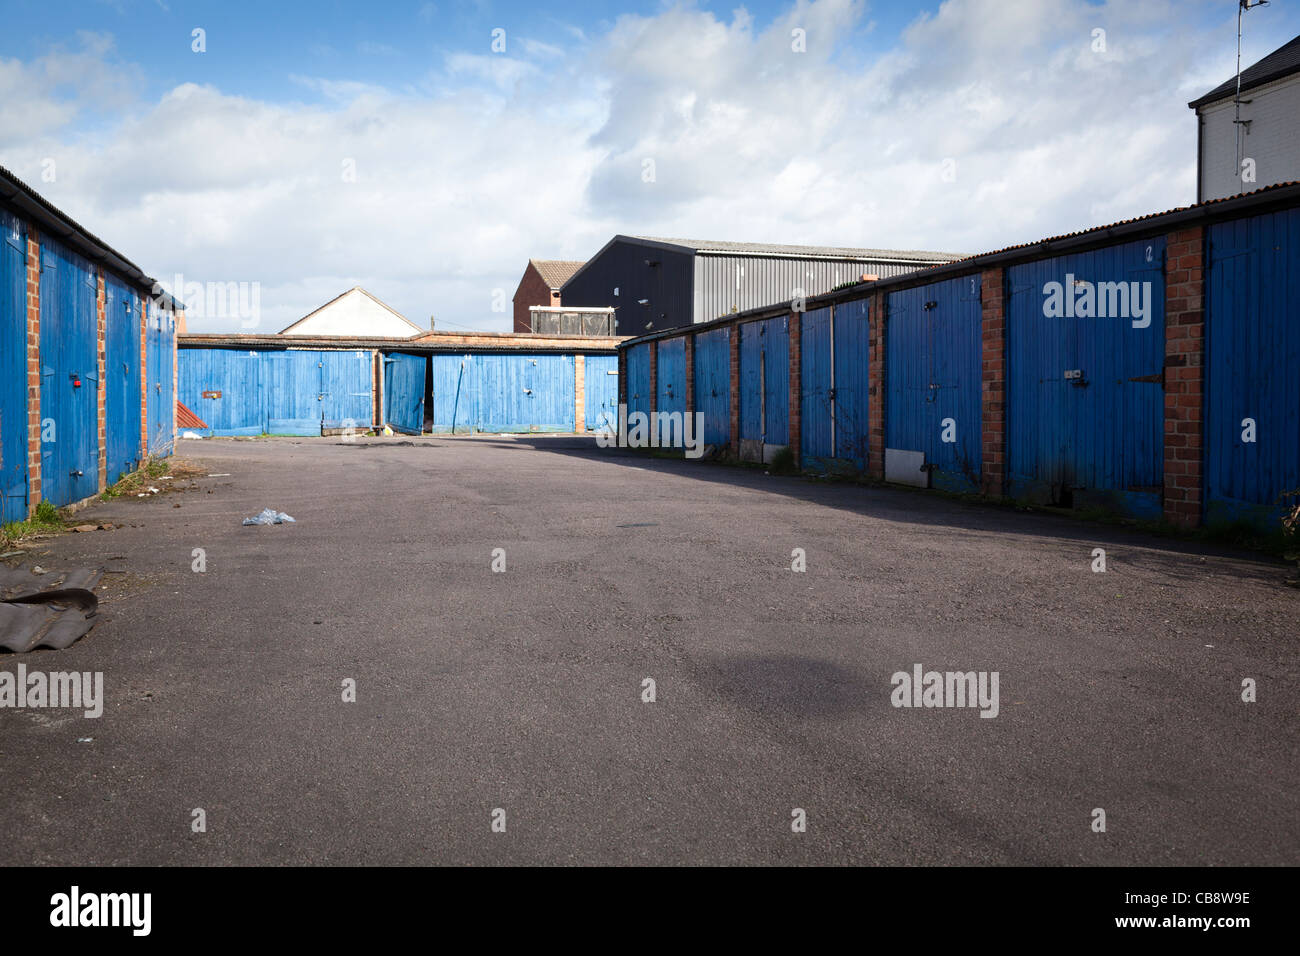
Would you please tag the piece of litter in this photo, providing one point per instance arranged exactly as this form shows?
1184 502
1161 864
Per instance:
224 474
153 491
38 570
166 478
12 554
190 435
84 740
269 516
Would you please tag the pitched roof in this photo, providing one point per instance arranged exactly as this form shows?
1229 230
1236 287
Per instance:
555 272
355 288
820 252
186 418
1282 62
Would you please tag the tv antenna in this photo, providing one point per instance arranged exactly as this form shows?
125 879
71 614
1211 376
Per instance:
1237 121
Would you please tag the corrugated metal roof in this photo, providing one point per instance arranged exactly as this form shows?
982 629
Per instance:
556 272
32 206
1282 62
706 246
1211 210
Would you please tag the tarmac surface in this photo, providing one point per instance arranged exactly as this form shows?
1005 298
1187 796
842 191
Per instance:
522 691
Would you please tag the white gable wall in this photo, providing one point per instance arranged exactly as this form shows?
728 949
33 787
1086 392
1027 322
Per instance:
354 314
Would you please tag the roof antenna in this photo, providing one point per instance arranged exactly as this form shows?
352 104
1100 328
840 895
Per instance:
1242 7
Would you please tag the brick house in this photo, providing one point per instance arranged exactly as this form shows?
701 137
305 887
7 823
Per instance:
540 285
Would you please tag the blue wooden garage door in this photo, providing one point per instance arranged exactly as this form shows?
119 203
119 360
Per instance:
1085 402
713 384
69 375
404 392
600 392
13 369
122 377
1252 367
933 354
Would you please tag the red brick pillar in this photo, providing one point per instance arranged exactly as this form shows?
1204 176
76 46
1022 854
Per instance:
993 416
33 371
579 393
796 387
876 387
654 377
733 383
101 397
1184 374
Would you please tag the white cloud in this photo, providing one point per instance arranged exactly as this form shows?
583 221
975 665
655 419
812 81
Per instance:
496 158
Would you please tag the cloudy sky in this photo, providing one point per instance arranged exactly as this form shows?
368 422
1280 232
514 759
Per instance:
310 147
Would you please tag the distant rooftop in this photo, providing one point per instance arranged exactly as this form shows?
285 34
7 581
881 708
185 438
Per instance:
1281 63
772 249
556 272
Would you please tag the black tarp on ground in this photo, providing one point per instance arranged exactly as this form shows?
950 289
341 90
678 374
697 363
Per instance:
53 609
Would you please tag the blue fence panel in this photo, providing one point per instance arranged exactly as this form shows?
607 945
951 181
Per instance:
1085 362
1252 367
404 392
751 380
223 387
851 340
122 378
160 350
934 357
600 392
69 375
713 384
346 389
13 369
670 375
815 446
638 379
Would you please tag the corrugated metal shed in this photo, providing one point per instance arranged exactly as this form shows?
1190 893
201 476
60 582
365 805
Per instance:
671 283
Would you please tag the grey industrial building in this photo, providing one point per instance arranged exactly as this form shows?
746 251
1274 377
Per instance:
655 284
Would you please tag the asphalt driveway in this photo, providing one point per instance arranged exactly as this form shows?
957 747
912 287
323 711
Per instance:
523 690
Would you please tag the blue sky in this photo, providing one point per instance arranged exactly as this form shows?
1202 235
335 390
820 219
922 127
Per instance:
229 165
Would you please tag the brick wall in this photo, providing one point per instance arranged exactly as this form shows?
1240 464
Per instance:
1184 374
876 387
580 393
33 370
993 393
796 390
